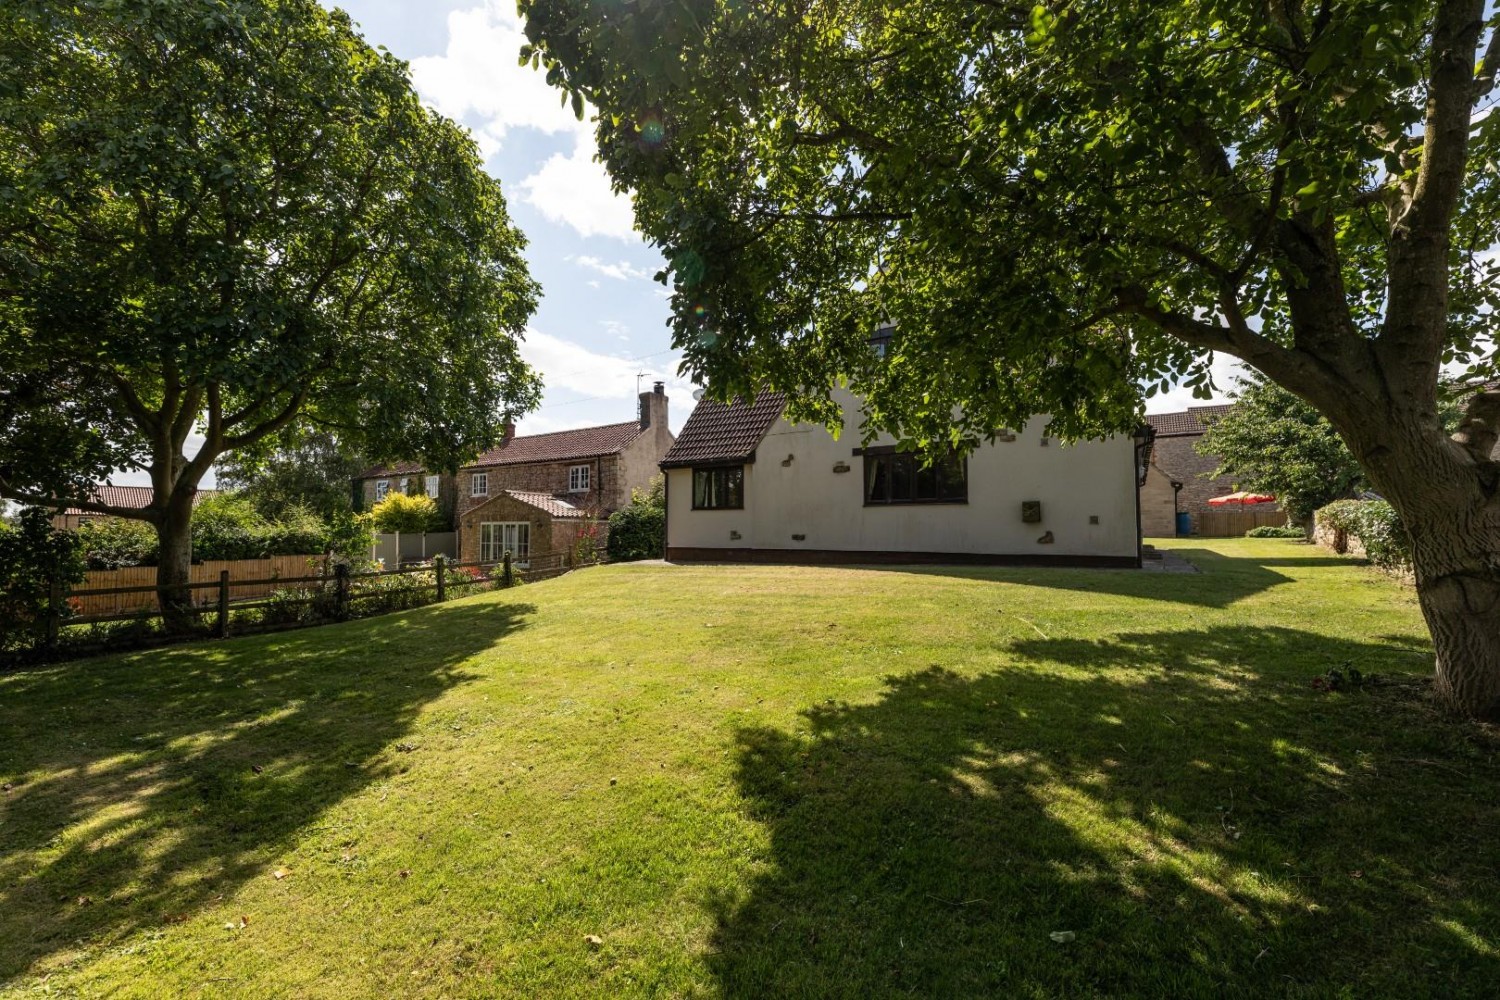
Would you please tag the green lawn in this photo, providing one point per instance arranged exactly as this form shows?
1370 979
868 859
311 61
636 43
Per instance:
768 781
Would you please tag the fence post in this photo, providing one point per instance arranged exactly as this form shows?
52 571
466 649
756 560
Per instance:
54 607
507 575
221 628
441 564
341 591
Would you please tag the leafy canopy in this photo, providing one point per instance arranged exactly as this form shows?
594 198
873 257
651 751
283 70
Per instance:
1053 202
1273 442
235 215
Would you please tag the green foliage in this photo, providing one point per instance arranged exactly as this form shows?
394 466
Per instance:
639 531
1377 526
34 557
307 468
1273 442
116 542
237 214
406 513
1275 531
228 526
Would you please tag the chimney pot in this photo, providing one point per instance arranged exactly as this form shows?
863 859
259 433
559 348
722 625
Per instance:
660 388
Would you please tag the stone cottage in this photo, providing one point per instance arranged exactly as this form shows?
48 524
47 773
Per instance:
536 495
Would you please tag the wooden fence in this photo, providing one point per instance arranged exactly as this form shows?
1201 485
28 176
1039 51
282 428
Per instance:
1232 523
134 588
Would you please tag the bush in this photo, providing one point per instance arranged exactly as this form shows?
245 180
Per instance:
640 530
34 555
116 542
407 514
1276 531
1376 525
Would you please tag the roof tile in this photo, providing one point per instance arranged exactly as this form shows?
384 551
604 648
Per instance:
133 497
724 432
1194 420
555 506
559 446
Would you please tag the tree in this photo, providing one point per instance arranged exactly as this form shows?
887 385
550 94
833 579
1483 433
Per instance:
309 468
236 216
1274 442
639 531
1056 202
405 513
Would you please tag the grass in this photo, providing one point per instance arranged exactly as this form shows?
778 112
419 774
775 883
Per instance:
768 781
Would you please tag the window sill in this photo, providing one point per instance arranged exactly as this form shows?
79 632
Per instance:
740 507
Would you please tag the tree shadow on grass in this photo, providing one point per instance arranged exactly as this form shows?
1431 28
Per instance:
1220 581
1184 804
140 788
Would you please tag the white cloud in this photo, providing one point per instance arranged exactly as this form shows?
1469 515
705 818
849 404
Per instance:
567 365
575 191
1225 371
479 77
479 81
620 270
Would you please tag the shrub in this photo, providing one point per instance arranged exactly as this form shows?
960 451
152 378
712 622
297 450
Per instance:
1276 531
408 514
1376 525
640 530
114 542
34 555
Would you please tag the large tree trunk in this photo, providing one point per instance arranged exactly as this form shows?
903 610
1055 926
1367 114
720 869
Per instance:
174 539
1449 500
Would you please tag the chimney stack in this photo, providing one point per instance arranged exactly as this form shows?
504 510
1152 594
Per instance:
509 432
654 406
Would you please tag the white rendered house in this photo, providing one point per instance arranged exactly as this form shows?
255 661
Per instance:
745 485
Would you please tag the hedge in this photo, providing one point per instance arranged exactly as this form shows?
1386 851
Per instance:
1376 525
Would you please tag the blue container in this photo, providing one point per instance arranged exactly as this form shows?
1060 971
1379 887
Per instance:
1184 524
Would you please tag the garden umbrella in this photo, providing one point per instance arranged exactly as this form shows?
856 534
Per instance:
1242 499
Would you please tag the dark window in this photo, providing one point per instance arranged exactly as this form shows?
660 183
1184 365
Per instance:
719 489
899 477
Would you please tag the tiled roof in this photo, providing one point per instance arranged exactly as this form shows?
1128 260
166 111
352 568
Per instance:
1192 421
134 497
548 503
393 469
560 446
724 432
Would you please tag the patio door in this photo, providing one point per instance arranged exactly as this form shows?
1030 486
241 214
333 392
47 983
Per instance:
499 537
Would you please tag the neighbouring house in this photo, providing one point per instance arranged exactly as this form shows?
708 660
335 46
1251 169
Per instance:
376 482
535 495
1180 480
134 497
746 485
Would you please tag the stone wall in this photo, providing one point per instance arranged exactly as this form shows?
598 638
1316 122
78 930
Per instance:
550 478
447 498
1158 505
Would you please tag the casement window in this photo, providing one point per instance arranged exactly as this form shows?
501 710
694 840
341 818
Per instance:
719 489
499 537
432 486
893 477
405 484
382 487
578 479
479 484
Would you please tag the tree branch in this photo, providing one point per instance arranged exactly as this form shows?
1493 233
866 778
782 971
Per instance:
286 416
62 503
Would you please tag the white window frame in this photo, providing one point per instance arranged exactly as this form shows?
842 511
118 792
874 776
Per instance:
431 487
382 487
405 484
479 484
495 537
578 478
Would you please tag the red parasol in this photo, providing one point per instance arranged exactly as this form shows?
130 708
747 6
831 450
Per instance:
1241 499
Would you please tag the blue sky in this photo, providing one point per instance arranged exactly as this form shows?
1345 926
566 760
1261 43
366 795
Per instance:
602 320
